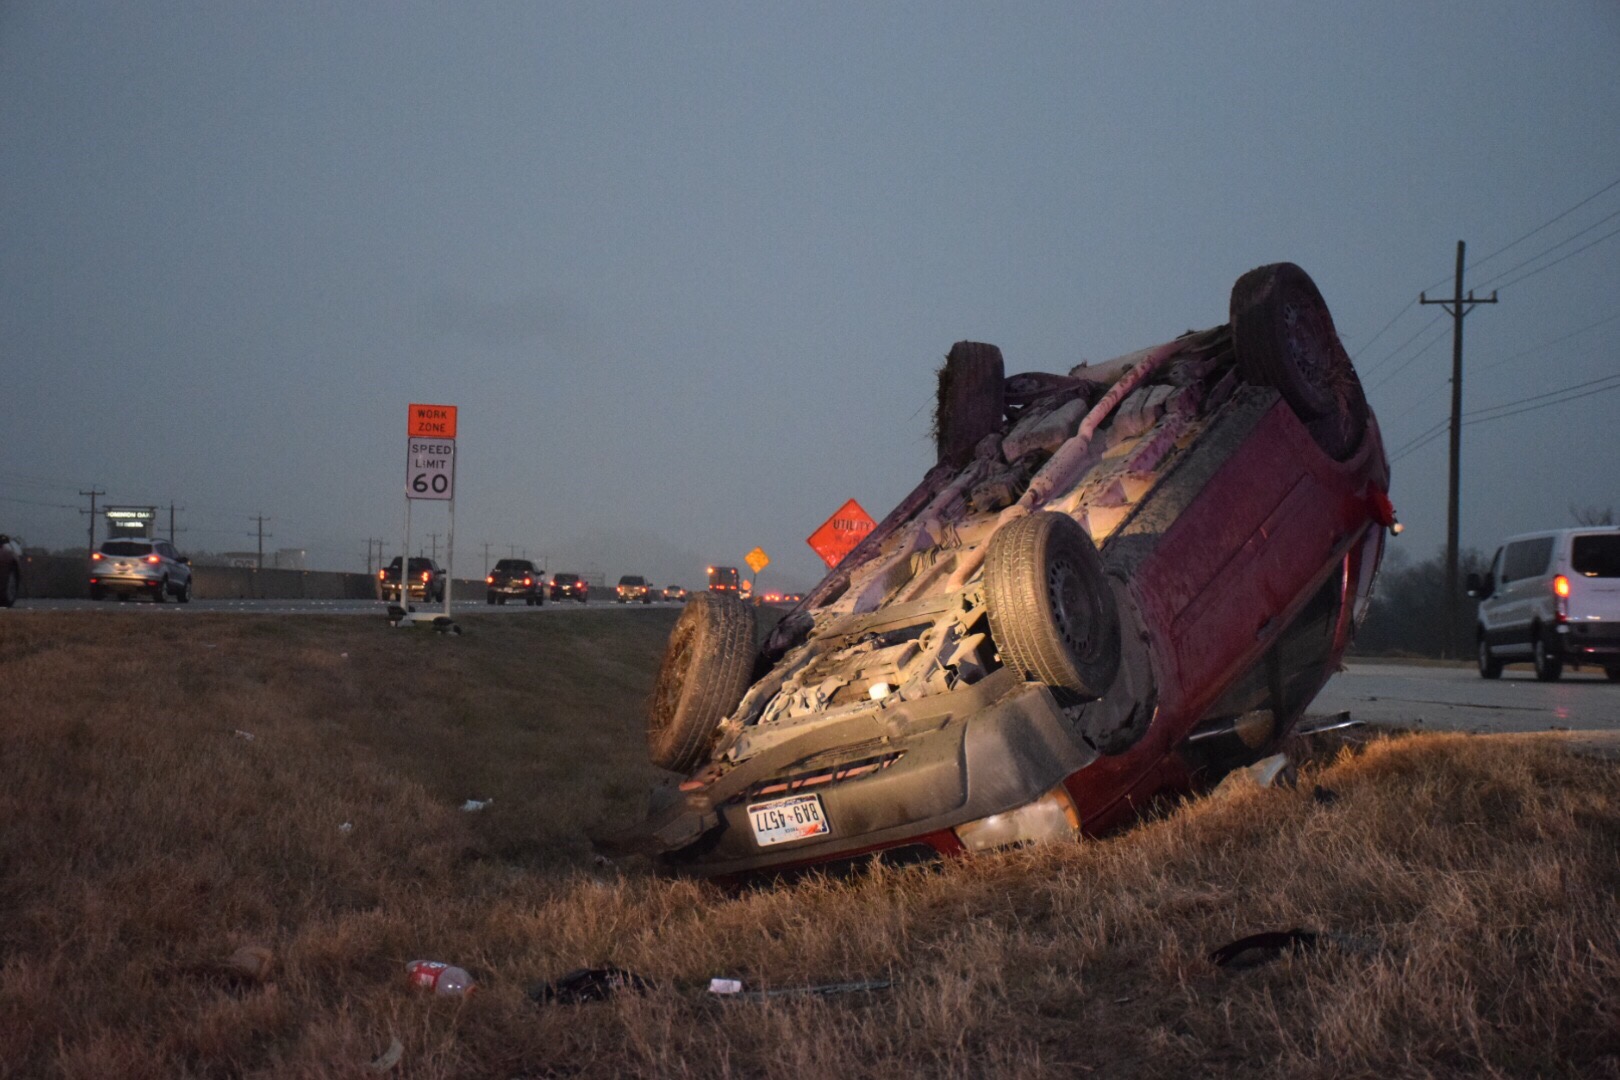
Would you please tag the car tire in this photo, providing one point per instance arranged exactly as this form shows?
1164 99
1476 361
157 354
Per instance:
704 674
160 595
185 592
1052 611
1549 665
489 598
1612 672
1490 667
1284 338
97 594
10 588
970 401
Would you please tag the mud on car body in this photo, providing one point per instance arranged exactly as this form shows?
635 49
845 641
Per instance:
1113 580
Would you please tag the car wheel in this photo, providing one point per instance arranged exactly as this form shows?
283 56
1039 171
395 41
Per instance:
1549 665
1284 338
1489 666
10 589
489 598
1052 611
703 676
160 595
1612 672
96 593
970 401
185 592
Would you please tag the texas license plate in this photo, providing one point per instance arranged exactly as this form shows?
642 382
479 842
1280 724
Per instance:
797 817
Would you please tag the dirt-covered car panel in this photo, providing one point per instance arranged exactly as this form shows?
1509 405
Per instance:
1110 564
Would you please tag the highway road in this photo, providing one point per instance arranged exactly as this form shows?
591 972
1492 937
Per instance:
1428 698
309 607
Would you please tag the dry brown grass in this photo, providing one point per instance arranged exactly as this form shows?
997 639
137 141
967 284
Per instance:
142 842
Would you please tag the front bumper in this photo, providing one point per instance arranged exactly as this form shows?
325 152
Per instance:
921 769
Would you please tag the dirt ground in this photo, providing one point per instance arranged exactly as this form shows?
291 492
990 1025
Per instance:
173 793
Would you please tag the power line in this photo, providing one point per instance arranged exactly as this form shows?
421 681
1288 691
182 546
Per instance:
1550 250
1546 224
1375 365
1555 262
1549 344
1431 343
1480 416
1480 413
1410 304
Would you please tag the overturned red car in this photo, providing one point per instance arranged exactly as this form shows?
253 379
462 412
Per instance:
1114 581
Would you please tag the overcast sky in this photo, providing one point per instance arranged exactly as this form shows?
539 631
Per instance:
687 269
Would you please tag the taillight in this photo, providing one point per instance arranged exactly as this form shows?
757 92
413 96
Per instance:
426 574
528 581
489 579
1561 587
95 556
382 575
155 559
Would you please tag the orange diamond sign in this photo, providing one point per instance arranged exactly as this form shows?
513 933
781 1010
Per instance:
840 533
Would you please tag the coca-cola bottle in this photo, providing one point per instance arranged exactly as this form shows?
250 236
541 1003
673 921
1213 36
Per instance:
441 978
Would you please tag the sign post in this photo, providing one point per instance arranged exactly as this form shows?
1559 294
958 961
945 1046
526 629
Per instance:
839 534
430 473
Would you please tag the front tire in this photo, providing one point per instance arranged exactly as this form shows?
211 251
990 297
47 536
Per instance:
185 592
1489 666
704 674
1052 611
10 588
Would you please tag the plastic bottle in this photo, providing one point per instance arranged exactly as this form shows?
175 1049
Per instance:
445 979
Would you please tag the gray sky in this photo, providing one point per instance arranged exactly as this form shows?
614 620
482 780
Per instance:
687 269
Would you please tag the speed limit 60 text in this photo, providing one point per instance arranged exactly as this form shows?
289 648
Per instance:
430 469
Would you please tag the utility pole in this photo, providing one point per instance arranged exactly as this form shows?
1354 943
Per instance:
434 537
261 519
511 549
92 493
171 520
1457 306
486 558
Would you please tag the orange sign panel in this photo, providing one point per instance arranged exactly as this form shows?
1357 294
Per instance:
840 533
432 421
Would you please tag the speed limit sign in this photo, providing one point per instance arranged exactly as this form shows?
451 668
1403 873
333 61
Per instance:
430 469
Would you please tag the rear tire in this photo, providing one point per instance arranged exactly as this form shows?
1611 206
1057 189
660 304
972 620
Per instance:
970 401
1612 672
10 588
160 595
1489 666
704 674
1284 338
1052 611
489 598
1549 665
96 593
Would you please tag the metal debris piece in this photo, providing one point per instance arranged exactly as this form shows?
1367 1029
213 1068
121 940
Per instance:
590 984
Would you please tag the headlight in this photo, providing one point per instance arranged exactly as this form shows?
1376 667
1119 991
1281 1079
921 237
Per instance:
1050 817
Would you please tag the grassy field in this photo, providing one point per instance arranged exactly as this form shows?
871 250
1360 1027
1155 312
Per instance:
1471 886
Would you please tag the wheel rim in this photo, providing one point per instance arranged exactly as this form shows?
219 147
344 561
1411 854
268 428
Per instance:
1073 610
1307 343
1484 655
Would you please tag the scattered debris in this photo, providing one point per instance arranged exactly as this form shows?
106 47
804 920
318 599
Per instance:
1323 724
443 979
252 963
474 805
389 1058
605 862
1273 771
245 736
346 827
590 984
1325 796
824 990
725 986
1262 948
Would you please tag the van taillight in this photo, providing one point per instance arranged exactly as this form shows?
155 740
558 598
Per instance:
1561 587
382 575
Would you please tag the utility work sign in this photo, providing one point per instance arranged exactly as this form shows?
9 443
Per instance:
757 559
432 421
840 533
430 468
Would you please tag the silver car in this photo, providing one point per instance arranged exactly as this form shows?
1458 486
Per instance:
151 567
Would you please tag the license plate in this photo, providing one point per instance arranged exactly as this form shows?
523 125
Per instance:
797 817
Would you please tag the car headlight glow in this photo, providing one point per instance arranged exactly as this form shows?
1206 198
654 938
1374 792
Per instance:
1050 817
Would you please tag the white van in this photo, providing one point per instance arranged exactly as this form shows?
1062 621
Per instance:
1551 598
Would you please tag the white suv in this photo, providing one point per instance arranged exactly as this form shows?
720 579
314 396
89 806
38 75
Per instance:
1551 598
